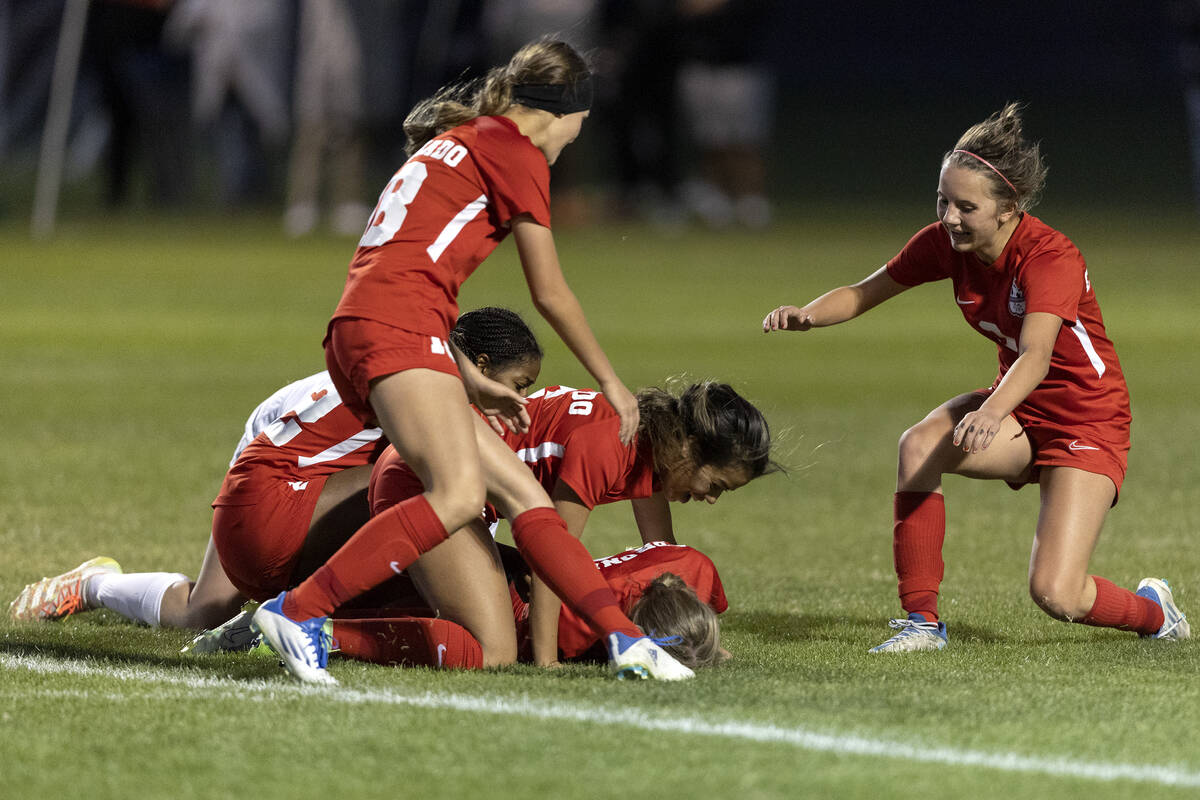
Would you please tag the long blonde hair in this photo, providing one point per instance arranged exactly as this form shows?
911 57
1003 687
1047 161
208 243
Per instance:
670 608
545 61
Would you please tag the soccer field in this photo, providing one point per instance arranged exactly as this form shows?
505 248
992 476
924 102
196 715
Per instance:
131 354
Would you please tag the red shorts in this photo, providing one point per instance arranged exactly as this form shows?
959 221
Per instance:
258 544
357 351
393 481
1099 448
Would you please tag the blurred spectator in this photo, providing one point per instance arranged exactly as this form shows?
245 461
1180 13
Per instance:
727 95
510 24
328 141
239 54
1185 23
139 83
637 101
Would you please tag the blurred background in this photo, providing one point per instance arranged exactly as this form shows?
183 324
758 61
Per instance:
716 113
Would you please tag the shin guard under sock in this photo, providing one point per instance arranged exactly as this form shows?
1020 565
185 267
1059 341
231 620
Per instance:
1120 608
408 642
565 565
918 532
386 545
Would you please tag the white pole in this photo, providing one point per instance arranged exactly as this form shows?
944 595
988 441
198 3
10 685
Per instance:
58 117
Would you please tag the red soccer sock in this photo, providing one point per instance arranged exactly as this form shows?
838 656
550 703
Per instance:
565 565
918 532
408 642
1120 608
387 544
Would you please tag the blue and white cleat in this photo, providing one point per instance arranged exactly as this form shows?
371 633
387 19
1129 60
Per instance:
916 633
634 658
1175 624
303 646
232 635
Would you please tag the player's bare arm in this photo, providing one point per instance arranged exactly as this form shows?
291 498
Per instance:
556 303
653 517
840 305
978 428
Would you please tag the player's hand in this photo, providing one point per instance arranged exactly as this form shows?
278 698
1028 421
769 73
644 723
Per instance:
976 430
625 404
503 407
787 318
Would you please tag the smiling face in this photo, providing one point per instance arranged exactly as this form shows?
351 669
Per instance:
517 375
688 482
976 221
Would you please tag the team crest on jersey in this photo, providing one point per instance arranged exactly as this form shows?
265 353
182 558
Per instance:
1016 301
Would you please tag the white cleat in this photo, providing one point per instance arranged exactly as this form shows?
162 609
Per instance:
303 646
642 658
62 595
233 635
1175 624
916 633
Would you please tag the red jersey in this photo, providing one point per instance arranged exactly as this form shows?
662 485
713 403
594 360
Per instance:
629 573
1040 270
314 438
439 217
573 438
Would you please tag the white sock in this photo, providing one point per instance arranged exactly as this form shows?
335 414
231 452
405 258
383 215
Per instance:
137 596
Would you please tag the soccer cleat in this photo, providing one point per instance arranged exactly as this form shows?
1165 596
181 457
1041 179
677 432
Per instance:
303 646
62 595
641 658
1175 624
916 633
233 635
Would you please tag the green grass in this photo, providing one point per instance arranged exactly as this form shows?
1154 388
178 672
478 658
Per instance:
132 353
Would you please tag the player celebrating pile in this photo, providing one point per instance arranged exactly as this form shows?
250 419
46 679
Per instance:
1057 414
478 169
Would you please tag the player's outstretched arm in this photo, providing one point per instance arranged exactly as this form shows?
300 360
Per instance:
842 304
556 303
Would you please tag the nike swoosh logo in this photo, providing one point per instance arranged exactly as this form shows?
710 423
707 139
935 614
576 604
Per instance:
395 565
1075 445
441 653
964 302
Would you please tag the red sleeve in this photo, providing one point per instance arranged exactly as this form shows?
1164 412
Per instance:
1053 281
594 461
514 172
923 259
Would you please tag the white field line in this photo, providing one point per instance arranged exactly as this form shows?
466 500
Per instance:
188 683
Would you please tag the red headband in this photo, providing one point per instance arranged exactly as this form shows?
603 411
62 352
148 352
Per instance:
988 164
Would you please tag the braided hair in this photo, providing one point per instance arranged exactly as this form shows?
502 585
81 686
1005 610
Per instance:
498 333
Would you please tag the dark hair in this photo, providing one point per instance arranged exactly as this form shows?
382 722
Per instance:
1000 141
546 61
498 333
712 422
670 608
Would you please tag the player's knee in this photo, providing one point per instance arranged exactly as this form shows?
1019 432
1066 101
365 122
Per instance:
498 654
918 444
1058 597
459 502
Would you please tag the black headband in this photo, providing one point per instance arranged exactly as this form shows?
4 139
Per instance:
557 98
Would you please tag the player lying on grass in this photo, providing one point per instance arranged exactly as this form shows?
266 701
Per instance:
671 591
698 445
295 491
1057 414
